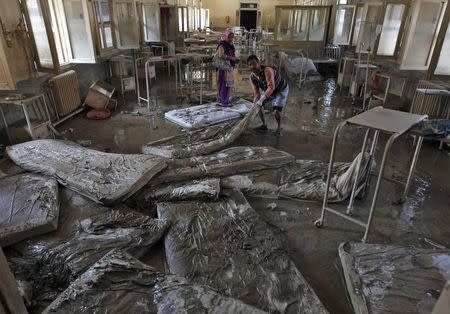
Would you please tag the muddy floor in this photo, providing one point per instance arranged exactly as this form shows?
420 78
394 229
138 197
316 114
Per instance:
309 120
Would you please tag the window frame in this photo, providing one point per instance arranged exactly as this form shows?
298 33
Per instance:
60 16
116 29
438 47
411 31
97 25
401 32
45 10
309 9
377 22
143 19
352 24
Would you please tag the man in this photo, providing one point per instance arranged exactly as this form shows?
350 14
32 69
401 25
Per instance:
275 88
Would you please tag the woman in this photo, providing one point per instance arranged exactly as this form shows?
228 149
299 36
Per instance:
225 78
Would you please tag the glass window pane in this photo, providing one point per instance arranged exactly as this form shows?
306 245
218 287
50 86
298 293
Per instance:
39 33
368 28
357 27
342 26
185 21
300 21
423 35
283 30
108 37
106 16
443 65
318 23
151 22
77 27
62 57
180 19
391 29
191 19
127 32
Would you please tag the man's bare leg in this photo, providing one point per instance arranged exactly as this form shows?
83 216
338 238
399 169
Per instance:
278 118
263 119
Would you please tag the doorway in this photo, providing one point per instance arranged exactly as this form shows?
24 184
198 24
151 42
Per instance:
248 19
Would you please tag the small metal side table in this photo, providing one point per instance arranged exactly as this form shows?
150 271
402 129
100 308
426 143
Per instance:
379 120
31 105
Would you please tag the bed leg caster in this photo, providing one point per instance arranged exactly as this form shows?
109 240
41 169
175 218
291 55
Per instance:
318 223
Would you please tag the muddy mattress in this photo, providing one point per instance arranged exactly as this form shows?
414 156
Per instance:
29 206
393 279
54 260
304 179
103 177
208 114
119 283
197 189
202 141
226 245
226 162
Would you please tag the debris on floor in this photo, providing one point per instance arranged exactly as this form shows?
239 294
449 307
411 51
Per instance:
393 279
103 177
224 244
29 206
119 283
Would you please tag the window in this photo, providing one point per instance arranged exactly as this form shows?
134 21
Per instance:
60 31
343 24
389 38
443 64
425 21
182 19
301 23
357 24
191 19
151 22
126 23
103 16
367 34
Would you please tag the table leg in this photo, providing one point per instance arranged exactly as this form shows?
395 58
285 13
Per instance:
5 124
358 168
319 222
136 74
201 83
27 118
413 166
377 187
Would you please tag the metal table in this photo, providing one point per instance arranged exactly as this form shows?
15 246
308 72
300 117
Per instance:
379 120
30 104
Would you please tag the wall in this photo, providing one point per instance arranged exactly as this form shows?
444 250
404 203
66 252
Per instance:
20 53
220 9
